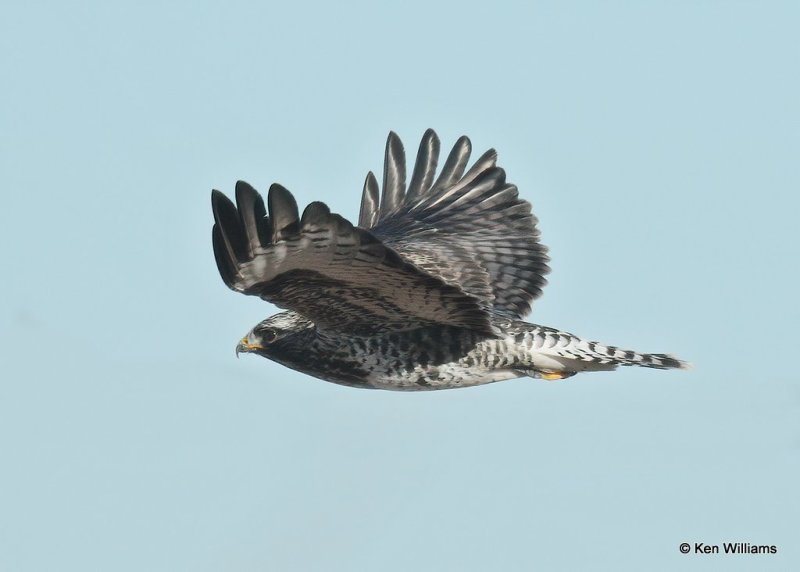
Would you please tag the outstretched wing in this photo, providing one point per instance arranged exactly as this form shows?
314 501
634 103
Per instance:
339 276
471 230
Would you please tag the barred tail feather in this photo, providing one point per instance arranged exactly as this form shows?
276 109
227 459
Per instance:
555 351
595 352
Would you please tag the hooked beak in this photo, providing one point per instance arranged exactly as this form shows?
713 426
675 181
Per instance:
244 346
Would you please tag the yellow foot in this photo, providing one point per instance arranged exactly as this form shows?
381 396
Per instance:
555 375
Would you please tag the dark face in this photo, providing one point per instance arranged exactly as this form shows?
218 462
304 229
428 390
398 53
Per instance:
281 331
289 339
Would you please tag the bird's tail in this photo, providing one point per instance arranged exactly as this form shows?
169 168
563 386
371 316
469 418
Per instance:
556 355
596 352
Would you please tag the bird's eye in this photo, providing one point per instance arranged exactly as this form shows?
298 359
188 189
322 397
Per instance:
268 336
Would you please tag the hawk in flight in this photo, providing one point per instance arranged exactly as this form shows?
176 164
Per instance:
427 292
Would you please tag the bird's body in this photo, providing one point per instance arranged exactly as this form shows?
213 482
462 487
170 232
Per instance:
426 293
440 357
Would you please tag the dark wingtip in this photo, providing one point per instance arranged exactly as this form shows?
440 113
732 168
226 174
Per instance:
370 202
227 219
253 215
227 236
484 163
394 175
282 212
225 265
276 189
243 188
425 166
216 197
455 164
464 141
315 214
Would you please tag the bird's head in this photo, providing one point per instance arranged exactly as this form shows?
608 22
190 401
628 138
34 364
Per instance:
274 333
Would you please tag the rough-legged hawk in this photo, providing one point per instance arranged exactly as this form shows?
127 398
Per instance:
427 292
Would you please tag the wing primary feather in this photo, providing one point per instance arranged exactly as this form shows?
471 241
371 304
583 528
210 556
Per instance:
251 209
315 215
484 163
370 199
455 164
226 266
425 167
394 175
231 233
264 225
282 212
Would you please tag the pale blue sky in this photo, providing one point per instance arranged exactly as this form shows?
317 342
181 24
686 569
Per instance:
659 145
